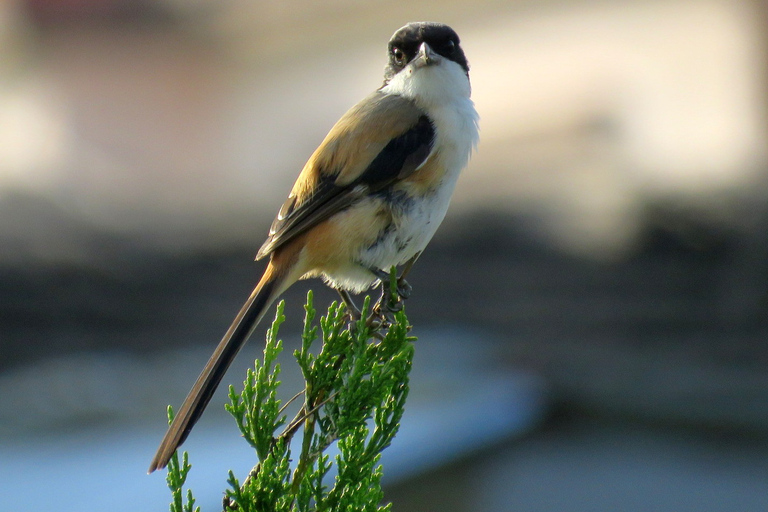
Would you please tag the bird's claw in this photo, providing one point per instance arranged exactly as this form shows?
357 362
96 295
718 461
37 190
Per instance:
404 289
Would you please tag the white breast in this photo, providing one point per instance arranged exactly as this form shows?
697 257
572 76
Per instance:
442 91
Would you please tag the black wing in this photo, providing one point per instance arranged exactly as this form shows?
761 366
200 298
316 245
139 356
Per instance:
402 156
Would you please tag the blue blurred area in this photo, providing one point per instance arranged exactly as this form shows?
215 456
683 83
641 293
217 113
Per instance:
603 265
89 464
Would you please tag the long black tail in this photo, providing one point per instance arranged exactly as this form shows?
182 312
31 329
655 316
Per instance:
246 320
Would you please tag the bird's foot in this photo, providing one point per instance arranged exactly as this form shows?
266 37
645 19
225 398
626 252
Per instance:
394 291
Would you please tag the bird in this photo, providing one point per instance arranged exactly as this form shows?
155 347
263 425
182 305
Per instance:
370 197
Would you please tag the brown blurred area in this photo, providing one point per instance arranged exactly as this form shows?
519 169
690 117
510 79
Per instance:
611 232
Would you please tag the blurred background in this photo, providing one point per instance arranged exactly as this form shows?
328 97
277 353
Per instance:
592 315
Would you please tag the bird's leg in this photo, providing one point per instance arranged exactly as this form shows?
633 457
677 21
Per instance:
352 309
389 299
403 288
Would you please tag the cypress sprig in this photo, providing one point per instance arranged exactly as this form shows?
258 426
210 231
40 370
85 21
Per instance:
356 384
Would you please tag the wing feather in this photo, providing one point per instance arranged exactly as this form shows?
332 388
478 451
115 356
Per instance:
381 139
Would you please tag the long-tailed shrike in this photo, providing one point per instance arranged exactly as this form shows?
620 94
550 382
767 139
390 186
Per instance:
370 197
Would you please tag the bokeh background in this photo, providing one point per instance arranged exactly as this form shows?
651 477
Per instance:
593 314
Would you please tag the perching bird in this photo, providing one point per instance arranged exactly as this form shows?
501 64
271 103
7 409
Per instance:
369 198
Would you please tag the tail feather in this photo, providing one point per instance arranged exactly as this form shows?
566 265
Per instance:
246 320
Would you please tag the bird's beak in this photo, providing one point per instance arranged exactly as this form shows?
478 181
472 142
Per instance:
425 57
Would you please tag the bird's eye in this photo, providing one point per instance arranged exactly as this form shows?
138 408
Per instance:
398 55
449 47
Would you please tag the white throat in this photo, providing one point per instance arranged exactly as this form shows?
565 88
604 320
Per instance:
433 85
